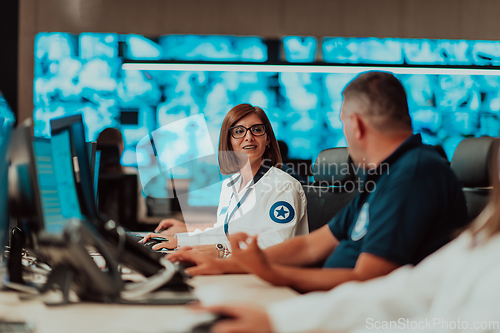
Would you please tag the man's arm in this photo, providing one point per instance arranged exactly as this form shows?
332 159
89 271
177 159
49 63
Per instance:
367 267
303 250
252 259
299 251
400 295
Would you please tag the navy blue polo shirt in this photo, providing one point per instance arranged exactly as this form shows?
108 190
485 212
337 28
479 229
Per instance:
411 205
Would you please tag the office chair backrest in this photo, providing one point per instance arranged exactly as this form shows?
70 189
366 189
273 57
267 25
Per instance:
471 163
300 168
333 188
110 157
118 198
333 167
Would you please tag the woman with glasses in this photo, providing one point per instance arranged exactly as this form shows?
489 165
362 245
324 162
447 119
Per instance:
258 198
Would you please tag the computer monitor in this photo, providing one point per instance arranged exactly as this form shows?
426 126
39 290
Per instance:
24 193
71 130
42 195
126 248
7 120
45 202
24 201
42 183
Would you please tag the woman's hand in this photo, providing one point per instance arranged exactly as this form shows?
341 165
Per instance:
170 243
171 227
205 265
148 236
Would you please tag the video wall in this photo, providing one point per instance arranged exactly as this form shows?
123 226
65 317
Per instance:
83 73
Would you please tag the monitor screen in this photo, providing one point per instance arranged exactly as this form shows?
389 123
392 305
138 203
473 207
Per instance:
56 182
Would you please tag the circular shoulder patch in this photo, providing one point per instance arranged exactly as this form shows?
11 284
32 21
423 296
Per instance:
282 212
361 227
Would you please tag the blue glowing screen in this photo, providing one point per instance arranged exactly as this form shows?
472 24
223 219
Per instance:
83 74
7 120
54 220
64 178
363 50
213 48
299 49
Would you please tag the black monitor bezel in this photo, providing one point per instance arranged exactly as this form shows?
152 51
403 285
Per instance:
4 206
30 216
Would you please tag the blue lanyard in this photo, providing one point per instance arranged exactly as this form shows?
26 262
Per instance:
229 216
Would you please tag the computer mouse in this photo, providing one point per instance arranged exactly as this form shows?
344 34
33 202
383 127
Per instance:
152 242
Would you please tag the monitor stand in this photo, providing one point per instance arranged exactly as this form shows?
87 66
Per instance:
14 265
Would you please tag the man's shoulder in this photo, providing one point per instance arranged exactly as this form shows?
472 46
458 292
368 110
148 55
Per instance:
421 168
422 161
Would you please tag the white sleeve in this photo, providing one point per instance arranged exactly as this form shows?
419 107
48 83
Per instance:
278 226
405 293
212 236
209 235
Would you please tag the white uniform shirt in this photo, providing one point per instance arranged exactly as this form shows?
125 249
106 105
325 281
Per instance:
273 207
458 282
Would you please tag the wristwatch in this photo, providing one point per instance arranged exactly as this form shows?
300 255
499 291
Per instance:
221 248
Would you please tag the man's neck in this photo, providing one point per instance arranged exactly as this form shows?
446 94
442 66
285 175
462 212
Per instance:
383 146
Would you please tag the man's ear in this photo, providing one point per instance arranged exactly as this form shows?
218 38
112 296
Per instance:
358 126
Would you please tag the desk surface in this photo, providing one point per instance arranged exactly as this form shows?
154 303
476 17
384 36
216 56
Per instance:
95 317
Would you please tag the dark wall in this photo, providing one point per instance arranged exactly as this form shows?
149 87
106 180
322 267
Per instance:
9 28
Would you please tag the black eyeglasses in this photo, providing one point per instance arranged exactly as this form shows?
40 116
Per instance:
239 132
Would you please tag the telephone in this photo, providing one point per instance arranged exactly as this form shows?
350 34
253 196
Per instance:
74 269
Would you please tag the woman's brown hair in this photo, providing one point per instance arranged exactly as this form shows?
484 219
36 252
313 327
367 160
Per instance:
228 163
